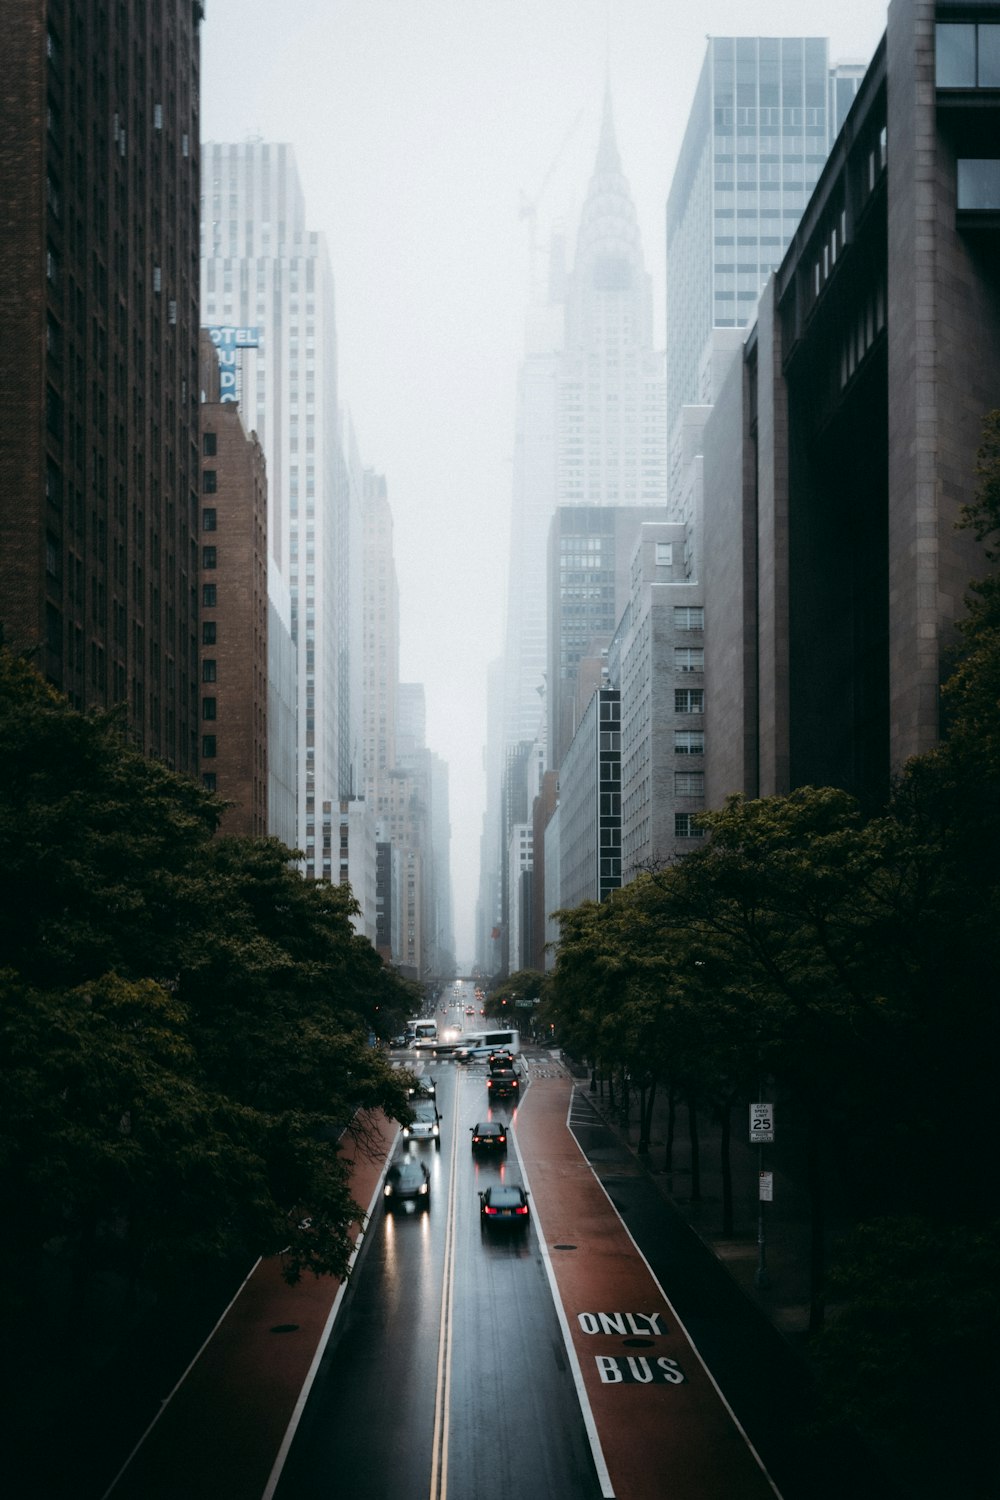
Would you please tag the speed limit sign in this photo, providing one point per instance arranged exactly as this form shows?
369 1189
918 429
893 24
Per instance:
761 1124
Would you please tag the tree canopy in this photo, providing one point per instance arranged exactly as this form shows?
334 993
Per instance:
185 1019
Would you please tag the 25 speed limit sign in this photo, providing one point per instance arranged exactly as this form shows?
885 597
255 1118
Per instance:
761 1124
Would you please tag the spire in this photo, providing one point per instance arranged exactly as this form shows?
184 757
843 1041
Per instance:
608 160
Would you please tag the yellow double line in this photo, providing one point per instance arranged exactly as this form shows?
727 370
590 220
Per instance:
442 1398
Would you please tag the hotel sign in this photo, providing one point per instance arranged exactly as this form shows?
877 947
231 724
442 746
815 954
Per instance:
227 341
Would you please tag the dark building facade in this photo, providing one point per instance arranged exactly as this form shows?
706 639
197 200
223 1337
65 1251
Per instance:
99 357
589 553
843 447
234 611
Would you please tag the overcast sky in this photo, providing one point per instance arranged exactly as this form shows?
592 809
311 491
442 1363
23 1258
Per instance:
433 139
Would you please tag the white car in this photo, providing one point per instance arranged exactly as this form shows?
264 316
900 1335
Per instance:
426 1123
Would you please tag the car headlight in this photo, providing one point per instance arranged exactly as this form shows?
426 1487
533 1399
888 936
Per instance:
423 1187
406 1130
435 1131
388 1190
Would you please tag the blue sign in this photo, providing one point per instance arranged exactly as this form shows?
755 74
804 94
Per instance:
234 338
227 341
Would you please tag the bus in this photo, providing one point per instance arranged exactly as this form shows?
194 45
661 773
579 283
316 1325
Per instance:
422 1032
502 1038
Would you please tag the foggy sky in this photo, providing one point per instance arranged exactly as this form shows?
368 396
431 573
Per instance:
423 130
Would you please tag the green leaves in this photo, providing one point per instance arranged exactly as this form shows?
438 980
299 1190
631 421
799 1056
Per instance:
184 1019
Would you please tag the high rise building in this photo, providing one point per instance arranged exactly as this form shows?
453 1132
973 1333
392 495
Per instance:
844 444
590 552
380 638
756 140
99 457
263 268
590 417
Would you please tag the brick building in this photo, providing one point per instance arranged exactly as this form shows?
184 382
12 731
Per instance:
99 187
234 609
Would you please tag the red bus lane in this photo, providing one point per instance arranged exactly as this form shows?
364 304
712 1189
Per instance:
222 1428
664 1428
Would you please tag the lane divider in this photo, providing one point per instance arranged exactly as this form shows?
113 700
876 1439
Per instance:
442 1394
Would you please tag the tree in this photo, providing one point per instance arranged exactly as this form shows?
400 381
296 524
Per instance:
185 1017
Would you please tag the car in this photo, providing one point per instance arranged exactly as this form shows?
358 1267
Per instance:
422 1088
500 1058
398 1041
503 1084
407 1182
504 1204
469 1011
489 1137
426 1123
471 1054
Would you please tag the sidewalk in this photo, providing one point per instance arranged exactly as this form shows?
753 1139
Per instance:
782 1292
219 1433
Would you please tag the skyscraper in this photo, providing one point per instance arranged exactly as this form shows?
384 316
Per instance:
263 268
99 360
590 421
756 141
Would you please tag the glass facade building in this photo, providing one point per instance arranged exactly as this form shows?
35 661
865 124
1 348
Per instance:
756 141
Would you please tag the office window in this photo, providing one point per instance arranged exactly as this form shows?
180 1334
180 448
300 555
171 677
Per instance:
208 746
689 700
209 481
208 669
689 617
208 444
208 557
664 554
208 595
688 658
208 780
685 827
208 629
978 184
689 783
209 518
689 742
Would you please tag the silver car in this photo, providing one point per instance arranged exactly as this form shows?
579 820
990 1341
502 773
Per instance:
426 1123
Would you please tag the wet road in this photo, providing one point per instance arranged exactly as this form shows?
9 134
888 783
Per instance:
447 1371
466 1364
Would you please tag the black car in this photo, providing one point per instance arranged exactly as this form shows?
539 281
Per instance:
489 1137
506 1205
422 1088
407 1181
501 1059
503 1083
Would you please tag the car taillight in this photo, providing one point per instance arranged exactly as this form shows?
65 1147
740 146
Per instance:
522 1210
491 1210
489 1083
502 1139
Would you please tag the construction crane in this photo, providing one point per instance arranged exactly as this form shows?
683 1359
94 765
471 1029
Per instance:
529 206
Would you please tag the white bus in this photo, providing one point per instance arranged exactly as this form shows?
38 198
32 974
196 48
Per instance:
422 1032
483 1042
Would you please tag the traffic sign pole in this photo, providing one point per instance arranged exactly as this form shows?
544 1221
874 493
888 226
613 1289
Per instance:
761 1132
